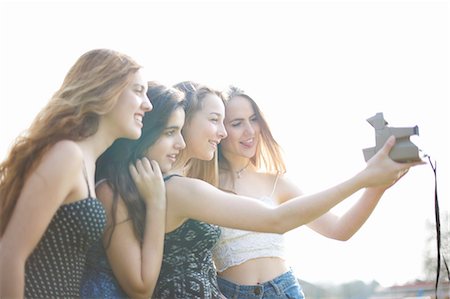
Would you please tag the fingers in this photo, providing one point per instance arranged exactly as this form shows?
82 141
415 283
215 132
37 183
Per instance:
156 168
148 179
144 166
390 142
133 172
402 173
412 164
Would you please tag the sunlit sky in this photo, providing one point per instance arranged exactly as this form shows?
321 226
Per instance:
318 69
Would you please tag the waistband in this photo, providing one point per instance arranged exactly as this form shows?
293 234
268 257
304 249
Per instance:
279 283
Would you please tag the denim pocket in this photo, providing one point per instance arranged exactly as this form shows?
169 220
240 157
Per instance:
294 292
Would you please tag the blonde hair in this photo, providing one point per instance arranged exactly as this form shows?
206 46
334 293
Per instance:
195 93
90 89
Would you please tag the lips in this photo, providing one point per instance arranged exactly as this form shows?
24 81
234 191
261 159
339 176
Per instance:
214 143
172 157
248 143
138 118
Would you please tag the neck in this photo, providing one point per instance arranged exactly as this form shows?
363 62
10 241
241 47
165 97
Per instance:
238 165
93 146
176 170
180 165
101 140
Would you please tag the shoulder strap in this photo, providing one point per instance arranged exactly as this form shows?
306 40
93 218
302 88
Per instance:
168 177
275 183
86 179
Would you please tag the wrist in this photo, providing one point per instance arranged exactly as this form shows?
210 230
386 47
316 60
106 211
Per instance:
156 202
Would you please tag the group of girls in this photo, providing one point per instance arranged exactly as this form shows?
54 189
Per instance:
127 188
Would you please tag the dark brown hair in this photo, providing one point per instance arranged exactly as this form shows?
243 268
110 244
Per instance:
113 164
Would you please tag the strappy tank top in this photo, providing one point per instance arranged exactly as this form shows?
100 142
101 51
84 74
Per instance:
237 246
55 267
187 269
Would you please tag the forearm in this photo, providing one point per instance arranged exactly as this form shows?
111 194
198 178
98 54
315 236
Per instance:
351 221
137 264
153 246
304 209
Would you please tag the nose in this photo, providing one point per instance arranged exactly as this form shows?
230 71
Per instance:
250 129
222 132
180 144
146 104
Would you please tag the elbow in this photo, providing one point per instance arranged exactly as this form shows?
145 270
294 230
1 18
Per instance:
139 291
140 288
279 230
282 222
280 225
343 236
140 294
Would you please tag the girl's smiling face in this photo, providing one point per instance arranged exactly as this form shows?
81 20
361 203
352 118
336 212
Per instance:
242 125
204 131
125 119
167 147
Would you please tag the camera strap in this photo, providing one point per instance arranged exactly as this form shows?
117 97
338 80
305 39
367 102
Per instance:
438 231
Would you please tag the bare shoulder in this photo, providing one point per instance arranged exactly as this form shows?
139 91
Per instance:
287 188
105 194
180 188
266 176
181 184
64 153
68 148
63 157
285 179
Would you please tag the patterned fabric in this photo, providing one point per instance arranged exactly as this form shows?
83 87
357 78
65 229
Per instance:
98 279
187 269
55 267
238 246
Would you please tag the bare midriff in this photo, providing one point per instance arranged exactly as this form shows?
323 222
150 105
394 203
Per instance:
255 271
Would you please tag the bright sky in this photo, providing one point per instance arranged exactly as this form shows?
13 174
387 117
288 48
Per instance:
318 69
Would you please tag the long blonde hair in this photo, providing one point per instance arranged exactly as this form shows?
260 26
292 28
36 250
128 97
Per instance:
195 168
90 89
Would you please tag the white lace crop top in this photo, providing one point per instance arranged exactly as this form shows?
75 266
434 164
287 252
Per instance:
238 246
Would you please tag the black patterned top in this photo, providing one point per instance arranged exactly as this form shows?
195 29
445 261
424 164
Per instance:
55 267
187 268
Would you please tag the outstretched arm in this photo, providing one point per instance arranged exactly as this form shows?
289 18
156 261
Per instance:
344 227
136 265
331 225
196 199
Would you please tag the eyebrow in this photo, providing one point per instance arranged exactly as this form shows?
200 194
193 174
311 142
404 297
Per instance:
172 127
139 85
216 113
236 119
242 118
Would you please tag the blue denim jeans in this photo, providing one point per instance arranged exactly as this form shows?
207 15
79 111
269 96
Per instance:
284 286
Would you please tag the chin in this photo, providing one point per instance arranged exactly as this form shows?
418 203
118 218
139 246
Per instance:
210 156
165 169
134 134
205 157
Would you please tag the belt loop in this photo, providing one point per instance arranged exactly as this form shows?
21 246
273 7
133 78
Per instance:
275 286
236 292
